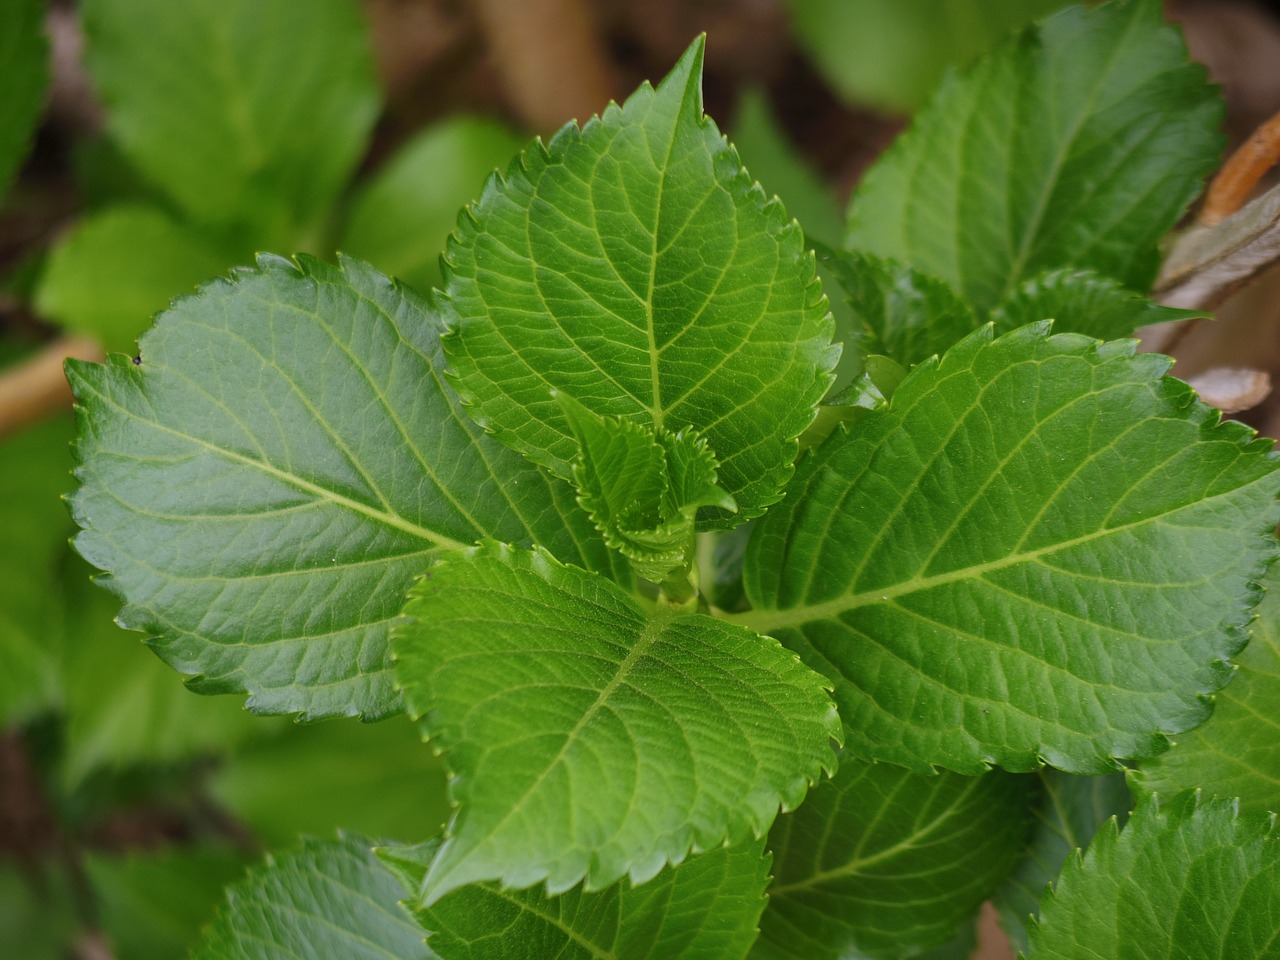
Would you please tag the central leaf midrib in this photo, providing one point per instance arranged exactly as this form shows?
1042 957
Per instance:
764 620
655 408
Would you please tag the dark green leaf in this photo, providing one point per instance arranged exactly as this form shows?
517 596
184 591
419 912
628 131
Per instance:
23 75
705 908
403 216
329 899
1237 752
1080 144
890 53
590 736
1081 301
1183 879
1042 550
37 911
119 268
284 458
881 862
905 314
633 266
1070 812
249 113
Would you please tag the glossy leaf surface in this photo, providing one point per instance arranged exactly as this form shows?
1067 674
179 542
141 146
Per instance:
633 266
1183 879
331 898
1079 144
882 862
706 908
264 484
1042 550
592 737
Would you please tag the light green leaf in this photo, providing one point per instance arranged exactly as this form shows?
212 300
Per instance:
705 908
34 469
1071 810
264 484
643 487
328 899
121 702
1079 144
1081 301
301 781
23 76
119 268
248 113
903 313
1042 550
592 737
774 161
1183 879
881 862
633 266
152 904
890 53
1237 752
402 217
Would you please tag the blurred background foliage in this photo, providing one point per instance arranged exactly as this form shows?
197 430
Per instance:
147 146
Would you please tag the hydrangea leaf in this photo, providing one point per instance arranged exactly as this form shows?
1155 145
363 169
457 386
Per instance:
633 265
1042 550
705 908
328 899
882 862
120 267
1079 144
247 113
1070 811
903 313
266 478
401 219
1081 301
23 76
1237 752
643 488
592 737
1183 879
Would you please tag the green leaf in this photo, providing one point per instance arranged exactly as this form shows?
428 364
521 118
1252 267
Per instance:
890 53
38 918
1071 810
301 782
1042 550
1079 144
265 482
34 470
905 314
633 266
402 217
775 162
247 113
705 908
1237 752
1081 301
122 705
592 737
119 268
23 76
643 487
1183 879
881 862
152 904
328 899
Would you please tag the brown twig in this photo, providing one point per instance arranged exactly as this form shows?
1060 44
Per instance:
552 61
1241 173
36 387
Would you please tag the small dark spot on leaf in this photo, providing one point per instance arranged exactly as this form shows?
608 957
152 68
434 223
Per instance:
137 361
